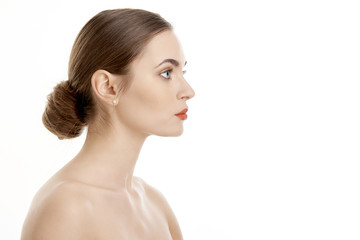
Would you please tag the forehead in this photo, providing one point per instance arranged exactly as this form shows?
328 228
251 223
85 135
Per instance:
162 46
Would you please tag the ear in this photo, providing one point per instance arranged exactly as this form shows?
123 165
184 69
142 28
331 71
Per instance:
106 86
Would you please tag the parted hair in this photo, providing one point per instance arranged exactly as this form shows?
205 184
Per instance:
110 40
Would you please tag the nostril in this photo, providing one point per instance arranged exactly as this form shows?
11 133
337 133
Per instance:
186 97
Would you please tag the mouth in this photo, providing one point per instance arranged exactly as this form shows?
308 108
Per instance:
182 112
182 115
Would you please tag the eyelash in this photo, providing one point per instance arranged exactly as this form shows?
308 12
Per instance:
170 70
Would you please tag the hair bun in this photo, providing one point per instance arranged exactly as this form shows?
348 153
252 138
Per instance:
61 116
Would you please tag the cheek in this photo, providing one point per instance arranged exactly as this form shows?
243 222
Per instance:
150 108
151 99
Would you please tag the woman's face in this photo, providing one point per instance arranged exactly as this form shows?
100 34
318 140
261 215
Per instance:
158 90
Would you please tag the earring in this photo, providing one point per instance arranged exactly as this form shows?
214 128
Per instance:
114 101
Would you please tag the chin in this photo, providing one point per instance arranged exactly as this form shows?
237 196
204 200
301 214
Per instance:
170 132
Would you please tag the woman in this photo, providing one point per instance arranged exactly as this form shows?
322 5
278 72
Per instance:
125 83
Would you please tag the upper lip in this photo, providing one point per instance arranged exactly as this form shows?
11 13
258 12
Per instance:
182 112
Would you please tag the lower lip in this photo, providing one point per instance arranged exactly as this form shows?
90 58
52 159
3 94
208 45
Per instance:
182 116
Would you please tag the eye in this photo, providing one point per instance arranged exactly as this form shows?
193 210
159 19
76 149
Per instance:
166 74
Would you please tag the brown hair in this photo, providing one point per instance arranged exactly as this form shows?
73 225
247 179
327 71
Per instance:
111 40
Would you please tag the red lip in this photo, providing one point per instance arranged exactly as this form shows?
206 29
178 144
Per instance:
182 115
182 112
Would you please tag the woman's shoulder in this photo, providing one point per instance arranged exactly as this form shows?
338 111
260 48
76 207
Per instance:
159 199
59 210
150 191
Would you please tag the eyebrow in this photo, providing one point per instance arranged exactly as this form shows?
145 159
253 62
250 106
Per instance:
172 61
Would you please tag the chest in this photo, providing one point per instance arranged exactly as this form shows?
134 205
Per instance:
133 220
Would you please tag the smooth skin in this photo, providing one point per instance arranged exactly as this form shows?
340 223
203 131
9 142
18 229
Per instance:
95 196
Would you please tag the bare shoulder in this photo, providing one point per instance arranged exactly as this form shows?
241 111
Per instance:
59 211
152 192
163 204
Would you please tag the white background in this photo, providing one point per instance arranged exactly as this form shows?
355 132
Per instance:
270 149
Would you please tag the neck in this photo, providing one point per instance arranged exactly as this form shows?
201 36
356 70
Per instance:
108 158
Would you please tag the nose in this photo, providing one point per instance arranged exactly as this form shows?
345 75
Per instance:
187 91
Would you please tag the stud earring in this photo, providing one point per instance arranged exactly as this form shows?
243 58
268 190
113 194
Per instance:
114 101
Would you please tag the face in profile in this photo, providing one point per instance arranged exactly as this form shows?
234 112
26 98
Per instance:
158 90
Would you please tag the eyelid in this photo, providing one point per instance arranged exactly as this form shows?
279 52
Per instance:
168 70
